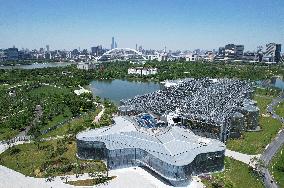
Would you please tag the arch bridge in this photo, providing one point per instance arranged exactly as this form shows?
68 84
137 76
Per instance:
122 54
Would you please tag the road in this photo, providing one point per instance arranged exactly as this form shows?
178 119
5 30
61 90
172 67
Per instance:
274 146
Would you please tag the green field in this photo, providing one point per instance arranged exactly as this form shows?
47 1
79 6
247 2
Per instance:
276 167
255 142
235 175
49 158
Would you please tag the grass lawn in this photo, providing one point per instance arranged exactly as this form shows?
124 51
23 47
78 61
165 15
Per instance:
255 142
277 167
280 109
49 158
65 129
235 175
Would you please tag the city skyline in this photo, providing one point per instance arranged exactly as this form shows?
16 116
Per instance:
178 25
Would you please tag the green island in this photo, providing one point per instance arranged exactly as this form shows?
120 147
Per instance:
62 114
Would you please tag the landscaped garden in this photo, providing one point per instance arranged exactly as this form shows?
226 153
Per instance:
255 142
48 159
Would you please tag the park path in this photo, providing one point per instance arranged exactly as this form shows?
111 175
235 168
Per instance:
245 158
98 117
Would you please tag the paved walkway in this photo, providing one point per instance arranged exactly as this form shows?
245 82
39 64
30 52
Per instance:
245 158
125 178
98 117
274 146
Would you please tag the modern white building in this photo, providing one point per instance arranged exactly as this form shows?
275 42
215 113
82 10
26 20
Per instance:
142 71
191 57
87 65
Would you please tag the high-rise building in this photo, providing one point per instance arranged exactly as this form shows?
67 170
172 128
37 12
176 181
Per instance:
233 51
239 51
115 45
112 43
273 51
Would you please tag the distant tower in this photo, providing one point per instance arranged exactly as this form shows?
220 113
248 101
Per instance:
136 47
115 45
47 48
112 43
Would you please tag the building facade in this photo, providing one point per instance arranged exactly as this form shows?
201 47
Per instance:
273 52
174 153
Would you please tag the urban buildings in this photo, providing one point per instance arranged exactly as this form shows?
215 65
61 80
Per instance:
88 65
12 54
229 53
172 152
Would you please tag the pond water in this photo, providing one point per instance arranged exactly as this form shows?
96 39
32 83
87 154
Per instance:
37 66
115 90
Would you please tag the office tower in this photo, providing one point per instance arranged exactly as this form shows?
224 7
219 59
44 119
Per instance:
233 51
239 51
112 43
115 45
273 51
47 48
136 48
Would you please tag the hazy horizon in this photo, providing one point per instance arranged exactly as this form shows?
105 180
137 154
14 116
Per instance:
180 24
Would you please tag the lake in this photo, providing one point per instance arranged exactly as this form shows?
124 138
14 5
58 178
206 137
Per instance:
115 90
279 83
37 66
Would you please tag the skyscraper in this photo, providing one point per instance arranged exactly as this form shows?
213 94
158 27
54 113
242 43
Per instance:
115 45
112 43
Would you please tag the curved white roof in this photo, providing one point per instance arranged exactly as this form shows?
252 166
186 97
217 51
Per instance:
173 145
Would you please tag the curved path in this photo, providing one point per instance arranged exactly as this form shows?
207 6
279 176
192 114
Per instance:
274 146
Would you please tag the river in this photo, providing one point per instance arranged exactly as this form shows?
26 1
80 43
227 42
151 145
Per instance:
37 66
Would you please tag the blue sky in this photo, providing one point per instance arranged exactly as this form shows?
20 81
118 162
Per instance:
177 24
